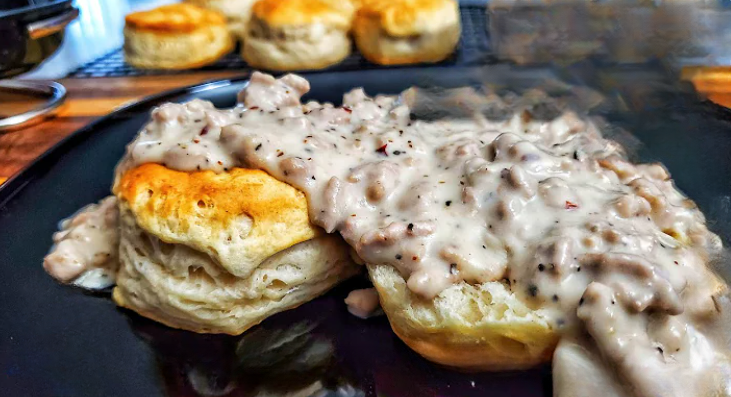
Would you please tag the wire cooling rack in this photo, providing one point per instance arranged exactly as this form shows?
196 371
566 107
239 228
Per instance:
473 49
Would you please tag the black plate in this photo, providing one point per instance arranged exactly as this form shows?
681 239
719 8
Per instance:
58 341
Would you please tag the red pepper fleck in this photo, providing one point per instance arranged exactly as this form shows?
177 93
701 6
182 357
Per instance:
204 131
413 258
220 162
196 141
280 154
570 205
347 109
382 149
253 108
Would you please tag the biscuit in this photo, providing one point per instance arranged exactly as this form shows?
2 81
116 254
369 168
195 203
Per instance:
237 12
406 31
289 35
471 327
219 253
176 36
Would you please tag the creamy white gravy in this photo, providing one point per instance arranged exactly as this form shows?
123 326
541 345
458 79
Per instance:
614 252
363 303
86 248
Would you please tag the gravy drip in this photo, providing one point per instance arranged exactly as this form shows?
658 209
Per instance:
609 247
86 248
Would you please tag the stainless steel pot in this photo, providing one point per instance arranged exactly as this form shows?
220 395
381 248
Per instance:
30 32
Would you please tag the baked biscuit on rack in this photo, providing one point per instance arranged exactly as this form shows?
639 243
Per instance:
391 32
297 34
176 36
237 12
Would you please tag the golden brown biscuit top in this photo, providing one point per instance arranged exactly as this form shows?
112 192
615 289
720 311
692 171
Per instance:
174 18
304 12
239 218
232 9
402 18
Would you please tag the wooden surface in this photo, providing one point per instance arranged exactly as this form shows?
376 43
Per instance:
92 98
88 99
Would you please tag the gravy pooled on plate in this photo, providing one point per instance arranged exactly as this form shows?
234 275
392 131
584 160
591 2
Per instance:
86 248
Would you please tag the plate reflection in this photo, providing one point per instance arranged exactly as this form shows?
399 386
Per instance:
318 350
